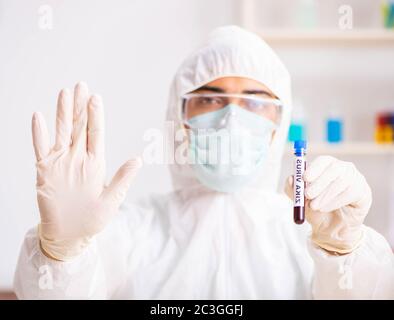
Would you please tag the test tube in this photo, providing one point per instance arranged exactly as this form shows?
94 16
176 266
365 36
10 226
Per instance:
299 183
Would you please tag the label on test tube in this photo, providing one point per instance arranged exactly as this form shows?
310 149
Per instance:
299 184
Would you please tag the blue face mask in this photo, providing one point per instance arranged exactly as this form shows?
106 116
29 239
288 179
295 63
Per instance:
231 148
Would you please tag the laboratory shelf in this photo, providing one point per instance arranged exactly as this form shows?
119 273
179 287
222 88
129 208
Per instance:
328 36
347 148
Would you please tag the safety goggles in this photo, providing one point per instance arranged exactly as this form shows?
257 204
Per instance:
195 104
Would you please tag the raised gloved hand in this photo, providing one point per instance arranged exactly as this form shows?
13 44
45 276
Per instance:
73 201
338 199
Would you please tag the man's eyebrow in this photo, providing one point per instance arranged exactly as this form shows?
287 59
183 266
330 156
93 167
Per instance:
258 92
220 90
210 88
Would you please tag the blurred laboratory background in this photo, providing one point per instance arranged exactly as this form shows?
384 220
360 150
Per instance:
340 55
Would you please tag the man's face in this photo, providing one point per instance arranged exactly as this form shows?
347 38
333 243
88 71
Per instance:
238 85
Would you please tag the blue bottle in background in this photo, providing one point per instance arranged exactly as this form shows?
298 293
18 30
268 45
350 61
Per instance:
334 129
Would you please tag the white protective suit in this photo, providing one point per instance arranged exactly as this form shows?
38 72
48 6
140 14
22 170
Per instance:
195 243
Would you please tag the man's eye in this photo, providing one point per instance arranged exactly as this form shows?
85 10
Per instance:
210 101
255 105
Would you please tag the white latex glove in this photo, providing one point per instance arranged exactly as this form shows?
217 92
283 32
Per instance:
73 201
338 199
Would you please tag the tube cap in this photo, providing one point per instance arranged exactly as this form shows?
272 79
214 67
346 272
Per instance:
300 144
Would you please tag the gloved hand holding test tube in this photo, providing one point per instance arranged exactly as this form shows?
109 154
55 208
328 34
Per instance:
333 196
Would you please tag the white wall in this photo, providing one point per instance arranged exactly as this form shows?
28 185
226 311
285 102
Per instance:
125 50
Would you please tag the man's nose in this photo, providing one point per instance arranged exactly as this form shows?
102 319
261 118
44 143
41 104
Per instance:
235 100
